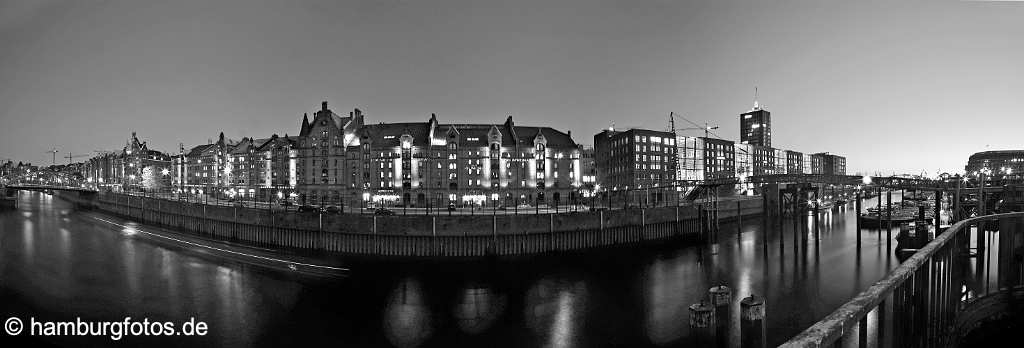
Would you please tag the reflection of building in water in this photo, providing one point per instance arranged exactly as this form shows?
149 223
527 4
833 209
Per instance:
478 308
407 321
553 310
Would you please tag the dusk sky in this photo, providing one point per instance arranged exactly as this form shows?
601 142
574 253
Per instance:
894 86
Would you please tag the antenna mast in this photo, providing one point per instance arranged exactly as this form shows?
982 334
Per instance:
672 123
756 107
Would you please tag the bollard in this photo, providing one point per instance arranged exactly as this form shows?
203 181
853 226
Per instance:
721 298
752 329
702 324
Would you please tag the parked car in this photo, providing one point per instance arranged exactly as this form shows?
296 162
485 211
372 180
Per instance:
307 209
333 210
598 208
451 206
524 206
286 203
383 211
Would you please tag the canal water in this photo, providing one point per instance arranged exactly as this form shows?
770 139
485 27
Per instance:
58 264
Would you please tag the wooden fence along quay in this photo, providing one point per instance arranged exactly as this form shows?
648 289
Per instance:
420 235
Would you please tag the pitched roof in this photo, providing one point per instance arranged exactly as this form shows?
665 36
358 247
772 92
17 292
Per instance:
198 150
390 134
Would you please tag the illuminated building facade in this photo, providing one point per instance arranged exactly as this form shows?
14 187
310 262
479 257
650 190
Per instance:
1005 164
124 169
756 127
635 158
794 162
418 164
829 164
204 166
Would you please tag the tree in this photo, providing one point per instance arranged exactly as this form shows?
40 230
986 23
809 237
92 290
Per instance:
151 179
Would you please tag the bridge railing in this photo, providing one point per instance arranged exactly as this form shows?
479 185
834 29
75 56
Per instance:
918 303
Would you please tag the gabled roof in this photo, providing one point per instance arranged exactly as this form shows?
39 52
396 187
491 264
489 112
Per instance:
246 143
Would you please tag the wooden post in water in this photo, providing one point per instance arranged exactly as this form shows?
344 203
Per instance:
817 208
879 207
796 219
701 224
739 219
752 328
702 324
857 216
764 211
888 217
721 298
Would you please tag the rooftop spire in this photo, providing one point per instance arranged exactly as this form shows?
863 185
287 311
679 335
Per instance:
756 106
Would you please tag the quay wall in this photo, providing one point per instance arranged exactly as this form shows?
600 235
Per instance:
417 235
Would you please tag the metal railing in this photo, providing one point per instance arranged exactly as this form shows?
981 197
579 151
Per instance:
918 303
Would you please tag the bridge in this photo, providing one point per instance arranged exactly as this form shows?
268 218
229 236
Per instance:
892 182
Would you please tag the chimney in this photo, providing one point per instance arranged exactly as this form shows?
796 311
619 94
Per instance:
323 105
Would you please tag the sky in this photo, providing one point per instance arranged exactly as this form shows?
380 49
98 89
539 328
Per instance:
895 86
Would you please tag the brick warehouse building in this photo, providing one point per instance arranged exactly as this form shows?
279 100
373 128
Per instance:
419 164
341 160
125 169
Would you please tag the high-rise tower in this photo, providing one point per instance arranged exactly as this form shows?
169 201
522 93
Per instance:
756 125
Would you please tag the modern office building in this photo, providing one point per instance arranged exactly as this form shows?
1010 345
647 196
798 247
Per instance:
794 163
635 158
703 159
756 127
828 164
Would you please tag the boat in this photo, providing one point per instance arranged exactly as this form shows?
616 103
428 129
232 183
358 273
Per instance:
8 203
911 238
873 220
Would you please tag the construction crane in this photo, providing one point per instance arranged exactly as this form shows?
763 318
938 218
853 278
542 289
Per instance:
70 157
707 129
54 153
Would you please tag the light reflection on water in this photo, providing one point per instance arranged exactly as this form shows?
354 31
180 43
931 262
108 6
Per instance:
407 319
478 308
65 265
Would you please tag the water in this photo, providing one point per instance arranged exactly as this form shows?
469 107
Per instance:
58 263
